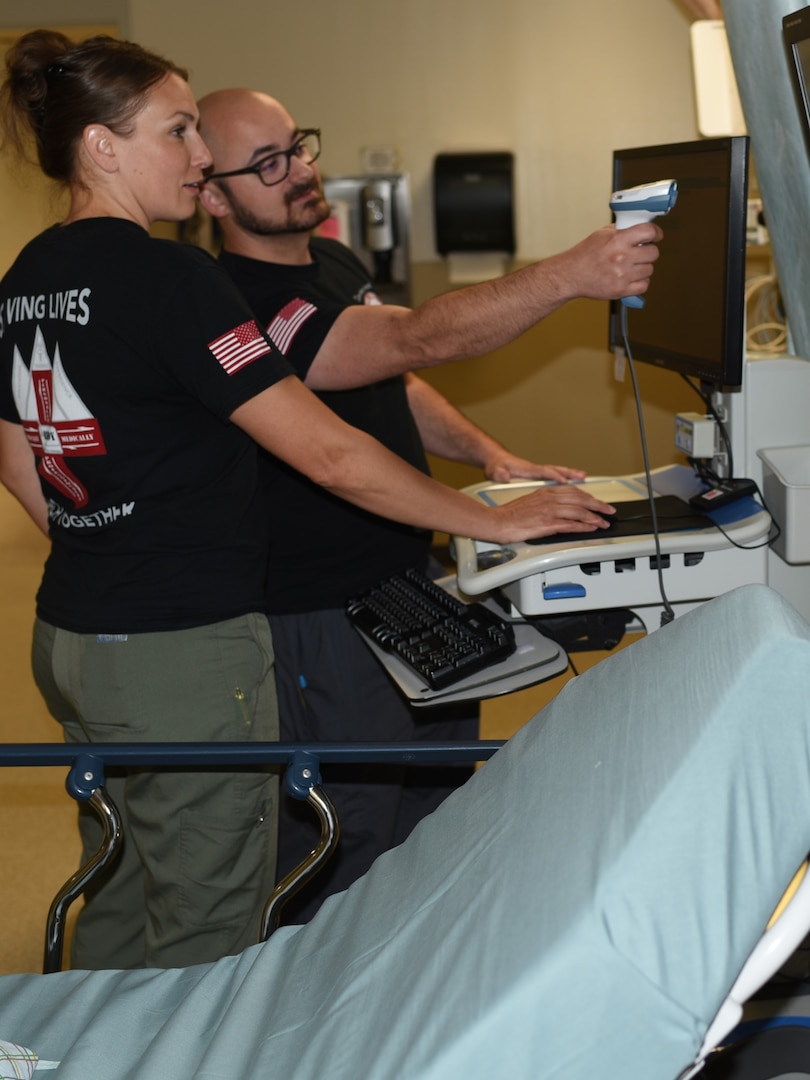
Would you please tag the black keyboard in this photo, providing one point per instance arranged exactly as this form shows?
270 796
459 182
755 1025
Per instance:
440 638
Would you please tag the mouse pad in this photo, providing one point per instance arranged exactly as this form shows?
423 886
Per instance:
633 518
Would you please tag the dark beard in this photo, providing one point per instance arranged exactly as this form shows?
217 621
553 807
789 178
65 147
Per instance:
248 221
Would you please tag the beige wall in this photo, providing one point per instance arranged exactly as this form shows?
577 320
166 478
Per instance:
551 396
29 201
560 84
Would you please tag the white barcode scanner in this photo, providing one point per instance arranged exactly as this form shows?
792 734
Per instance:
635 205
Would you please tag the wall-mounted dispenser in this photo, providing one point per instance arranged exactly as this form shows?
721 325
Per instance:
379 226
371 215
473 202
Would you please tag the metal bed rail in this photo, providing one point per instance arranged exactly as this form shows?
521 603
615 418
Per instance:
301 764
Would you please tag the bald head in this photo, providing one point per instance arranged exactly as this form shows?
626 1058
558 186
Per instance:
240 126
271 197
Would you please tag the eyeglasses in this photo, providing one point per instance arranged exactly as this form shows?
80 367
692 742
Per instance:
276 167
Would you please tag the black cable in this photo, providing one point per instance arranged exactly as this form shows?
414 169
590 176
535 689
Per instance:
703 470
708 404
667 615
772 535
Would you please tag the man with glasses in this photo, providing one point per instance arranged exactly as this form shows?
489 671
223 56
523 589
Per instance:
319 307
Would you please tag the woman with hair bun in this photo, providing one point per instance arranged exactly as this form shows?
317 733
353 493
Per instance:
115 437
134 385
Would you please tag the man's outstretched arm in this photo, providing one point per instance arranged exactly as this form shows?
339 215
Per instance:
367 343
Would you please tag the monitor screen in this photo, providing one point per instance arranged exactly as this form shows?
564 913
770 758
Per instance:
796 33
694 310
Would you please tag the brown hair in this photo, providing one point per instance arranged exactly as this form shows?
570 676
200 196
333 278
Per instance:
54 88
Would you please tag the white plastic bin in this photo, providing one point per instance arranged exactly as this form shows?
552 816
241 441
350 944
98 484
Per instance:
786 490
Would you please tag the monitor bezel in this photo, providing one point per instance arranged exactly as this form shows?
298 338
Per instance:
722 372
795 30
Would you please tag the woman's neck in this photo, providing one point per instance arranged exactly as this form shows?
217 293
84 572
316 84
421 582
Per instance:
89 203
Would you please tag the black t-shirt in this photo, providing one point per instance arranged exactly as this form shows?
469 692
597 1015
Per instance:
324 550
123 357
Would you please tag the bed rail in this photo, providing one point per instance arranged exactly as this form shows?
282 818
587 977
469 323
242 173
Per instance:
87 764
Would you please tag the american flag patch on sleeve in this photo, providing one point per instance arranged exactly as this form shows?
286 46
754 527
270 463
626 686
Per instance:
240 346
288 322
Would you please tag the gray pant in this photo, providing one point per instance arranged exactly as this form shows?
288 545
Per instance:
332 688
199 853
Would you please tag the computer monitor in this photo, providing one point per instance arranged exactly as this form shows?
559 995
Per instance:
796 35
694 310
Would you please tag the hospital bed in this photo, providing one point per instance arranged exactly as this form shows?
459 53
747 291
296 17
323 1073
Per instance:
581 908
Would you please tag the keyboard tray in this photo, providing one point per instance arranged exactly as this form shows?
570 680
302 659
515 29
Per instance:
520 656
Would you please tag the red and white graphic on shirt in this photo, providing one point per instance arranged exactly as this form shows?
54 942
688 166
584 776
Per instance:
57 423
240 346
288 322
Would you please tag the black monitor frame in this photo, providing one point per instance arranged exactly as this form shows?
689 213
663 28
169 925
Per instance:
796 36
700 278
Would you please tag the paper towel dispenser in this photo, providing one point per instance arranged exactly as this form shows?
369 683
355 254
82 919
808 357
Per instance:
473 202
